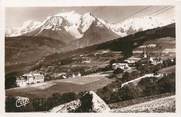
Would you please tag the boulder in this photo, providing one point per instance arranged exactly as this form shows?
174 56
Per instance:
89 102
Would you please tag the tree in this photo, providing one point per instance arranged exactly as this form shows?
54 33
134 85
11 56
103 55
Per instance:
10 80
39 104
118 70
67 97
86 103
11 104
167 83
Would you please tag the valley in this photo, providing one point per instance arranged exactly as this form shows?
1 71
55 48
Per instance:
87 60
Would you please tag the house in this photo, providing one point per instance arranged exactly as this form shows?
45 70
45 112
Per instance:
29 78
76 75
86 60
123 66
132 60
155 61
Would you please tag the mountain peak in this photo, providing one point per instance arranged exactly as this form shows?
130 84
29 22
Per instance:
72 17
77 24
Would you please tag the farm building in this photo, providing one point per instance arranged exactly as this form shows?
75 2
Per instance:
29 78
75 75
155 61
132 60
123 66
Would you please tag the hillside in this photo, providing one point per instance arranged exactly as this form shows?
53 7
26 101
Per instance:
42 48
165 104
123 46
45 58
24 51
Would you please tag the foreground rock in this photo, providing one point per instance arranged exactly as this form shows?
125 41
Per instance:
89 102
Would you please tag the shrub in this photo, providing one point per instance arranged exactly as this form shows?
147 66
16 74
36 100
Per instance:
118 70
167 84
10 104
86 103
149 86
10 80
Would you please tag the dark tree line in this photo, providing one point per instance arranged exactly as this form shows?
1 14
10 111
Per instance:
40 104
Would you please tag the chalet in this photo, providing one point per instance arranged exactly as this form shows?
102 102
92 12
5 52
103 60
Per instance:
29 78
76 75
123 66
132 60
155 61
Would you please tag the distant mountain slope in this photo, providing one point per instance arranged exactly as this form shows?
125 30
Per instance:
81 30
137 24
27 50
125 44
68 27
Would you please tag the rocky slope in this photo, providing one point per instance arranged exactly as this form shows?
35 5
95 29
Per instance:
89 102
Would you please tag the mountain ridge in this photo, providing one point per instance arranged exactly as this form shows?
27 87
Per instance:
76 24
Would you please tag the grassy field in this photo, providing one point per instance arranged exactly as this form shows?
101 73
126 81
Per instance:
60 86
165 104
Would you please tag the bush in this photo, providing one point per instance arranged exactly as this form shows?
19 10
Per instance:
129 92
108 94
86 103
167 84
10 80
149 86
67 97
40 104
10 104
118 70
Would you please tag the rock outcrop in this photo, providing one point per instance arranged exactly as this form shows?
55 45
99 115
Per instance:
89 102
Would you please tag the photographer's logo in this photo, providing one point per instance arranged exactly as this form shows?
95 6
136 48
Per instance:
22 101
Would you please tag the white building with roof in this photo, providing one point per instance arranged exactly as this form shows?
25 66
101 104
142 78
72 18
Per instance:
123 66
29 78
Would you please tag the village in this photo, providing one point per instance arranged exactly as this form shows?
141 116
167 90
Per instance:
92 59
117 79
142 59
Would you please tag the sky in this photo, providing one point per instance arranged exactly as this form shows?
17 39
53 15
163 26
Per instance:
15 16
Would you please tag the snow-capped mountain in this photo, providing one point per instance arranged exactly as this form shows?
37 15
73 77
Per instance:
137 24
68 27
26 27
86 29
